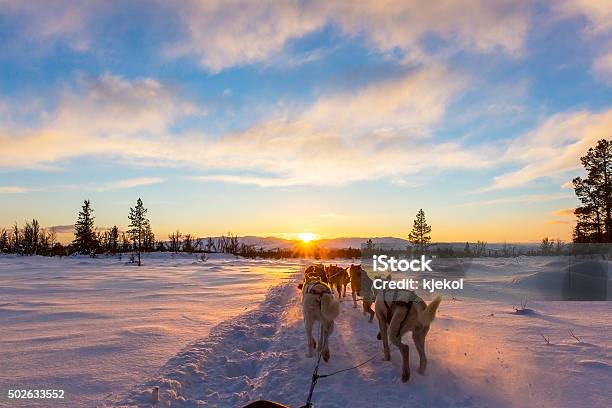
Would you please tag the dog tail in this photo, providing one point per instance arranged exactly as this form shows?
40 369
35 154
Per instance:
430 311
330 307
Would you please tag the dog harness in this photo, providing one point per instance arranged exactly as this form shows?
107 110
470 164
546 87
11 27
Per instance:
311 288
393 297
341 270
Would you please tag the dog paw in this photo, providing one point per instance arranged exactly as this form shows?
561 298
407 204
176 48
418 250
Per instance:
405 376
378 336
326 356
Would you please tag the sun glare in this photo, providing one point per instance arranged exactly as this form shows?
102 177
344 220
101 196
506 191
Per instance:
306 236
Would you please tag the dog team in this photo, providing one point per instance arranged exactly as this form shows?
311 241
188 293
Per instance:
397 311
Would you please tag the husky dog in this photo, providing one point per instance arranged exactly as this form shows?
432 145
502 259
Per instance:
403 311
362 285
316 270
318 303
338 278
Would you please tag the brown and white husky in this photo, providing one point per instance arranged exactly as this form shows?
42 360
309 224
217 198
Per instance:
362 285
400 311
318 304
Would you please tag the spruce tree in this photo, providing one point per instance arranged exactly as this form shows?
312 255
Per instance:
595 193
148 239
419 236
4 241
113 240
84 235
139 224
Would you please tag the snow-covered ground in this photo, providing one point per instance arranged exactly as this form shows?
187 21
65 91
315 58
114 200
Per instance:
96 327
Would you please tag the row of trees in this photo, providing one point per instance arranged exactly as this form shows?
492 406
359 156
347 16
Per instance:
88 241
32 239
476 249
188 243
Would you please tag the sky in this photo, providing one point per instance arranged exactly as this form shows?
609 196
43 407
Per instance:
281 117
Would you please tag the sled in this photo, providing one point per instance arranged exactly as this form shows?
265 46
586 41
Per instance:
265 404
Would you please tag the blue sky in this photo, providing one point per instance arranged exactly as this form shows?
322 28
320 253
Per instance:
275 118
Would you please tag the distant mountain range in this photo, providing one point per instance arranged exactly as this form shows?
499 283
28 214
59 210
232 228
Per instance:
331 243
356 242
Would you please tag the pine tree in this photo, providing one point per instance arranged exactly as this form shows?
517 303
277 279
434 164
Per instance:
125 244
84 235
419 236
113 240
547 246
4 241
148 240
595 193
210 245
175 241
188 243
16 239
138 226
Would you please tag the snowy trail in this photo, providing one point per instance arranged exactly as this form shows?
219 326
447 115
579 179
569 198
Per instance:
480 355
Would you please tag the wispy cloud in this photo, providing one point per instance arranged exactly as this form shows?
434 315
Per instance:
13 190
130 183
554 148
238 179
568 184
561 222
598 30
527 198
104 116
329 216
221 34
100 187
565 212
382 130
68 22
564 216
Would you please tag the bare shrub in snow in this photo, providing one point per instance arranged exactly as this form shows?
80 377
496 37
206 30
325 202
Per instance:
571 333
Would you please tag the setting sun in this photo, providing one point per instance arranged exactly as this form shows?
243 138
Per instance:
307 236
